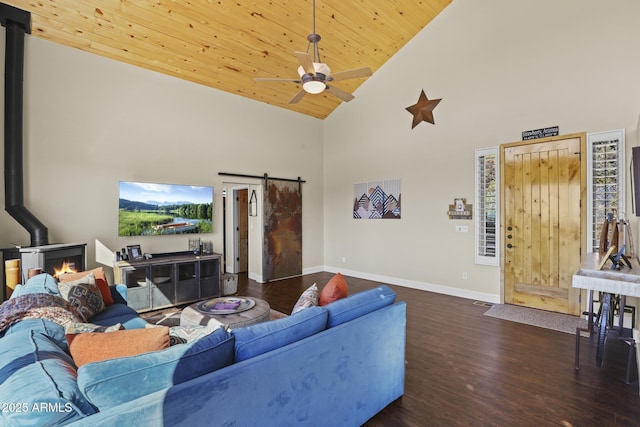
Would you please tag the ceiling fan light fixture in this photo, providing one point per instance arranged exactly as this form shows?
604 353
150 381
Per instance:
314 74
313 86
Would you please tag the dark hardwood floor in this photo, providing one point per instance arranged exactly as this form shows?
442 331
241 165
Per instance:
466 369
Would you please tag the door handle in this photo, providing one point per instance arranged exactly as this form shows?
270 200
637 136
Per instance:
509 245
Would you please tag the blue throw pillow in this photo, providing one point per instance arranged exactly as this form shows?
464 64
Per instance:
115 381
263 337
41 284
38 382
359 304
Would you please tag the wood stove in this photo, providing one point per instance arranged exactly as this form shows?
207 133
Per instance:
40 254
48 258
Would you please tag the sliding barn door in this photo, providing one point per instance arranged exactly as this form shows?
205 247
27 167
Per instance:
543 222
282 249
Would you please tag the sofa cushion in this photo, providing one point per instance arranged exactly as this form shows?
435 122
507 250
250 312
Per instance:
83 294
40 378
97 346
119 313
260 338
52 330
116 381
359 304
40 284
309 298
101 282
335 289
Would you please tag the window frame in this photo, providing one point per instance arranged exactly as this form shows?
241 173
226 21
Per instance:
480 232
592 139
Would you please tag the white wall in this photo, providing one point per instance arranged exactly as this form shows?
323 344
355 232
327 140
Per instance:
501 67
91 122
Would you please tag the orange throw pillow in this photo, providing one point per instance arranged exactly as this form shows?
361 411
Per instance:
335 289
91 347
101 281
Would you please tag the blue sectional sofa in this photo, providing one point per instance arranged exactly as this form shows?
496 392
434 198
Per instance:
336 365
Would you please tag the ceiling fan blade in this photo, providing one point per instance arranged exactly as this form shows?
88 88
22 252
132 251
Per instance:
351 74
306 62
275 79
298 97
345 96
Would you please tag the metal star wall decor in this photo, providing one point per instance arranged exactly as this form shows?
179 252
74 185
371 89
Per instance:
423 110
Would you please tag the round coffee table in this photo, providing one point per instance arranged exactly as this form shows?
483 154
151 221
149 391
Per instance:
203 313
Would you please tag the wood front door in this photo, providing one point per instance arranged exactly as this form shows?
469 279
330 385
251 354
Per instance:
543 183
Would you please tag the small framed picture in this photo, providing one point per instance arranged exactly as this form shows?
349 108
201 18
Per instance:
135 253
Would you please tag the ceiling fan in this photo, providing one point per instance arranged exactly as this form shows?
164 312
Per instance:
315 74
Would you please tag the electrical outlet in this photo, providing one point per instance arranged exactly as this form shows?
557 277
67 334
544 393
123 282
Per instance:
462 228
464 275
344 259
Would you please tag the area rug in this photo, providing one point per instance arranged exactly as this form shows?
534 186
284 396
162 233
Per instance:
540 318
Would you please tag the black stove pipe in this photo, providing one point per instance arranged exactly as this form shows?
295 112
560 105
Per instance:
17 23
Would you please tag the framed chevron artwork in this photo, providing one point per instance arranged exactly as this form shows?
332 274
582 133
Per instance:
377 199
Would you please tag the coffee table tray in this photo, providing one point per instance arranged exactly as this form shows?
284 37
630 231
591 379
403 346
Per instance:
225 305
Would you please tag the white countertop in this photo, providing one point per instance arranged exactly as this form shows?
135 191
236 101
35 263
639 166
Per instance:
622 282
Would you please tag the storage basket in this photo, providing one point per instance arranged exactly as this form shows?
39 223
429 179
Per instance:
229 284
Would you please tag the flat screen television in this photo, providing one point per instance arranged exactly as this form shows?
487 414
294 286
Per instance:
147 209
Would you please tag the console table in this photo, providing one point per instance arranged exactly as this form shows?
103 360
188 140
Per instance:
165 281
624 282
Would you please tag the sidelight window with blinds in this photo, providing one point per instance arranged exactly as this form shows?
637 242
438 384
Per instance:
605 181
487 219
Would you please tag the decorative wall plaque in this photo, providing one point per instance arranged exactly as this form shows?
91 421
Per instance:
460 209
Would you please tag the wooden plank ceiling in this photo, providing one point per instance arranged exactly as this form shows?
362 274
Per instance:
225 44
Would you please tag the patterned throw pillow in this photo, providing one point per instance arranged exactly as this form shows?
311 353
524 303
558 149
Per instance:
84 295
309 298
101 282
187 334
78 328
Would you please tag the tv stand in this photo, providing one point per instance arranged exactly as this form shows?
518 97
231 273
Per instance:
166 280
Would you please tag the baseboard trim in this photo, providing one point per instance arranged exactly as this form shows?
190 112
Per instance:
423 286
